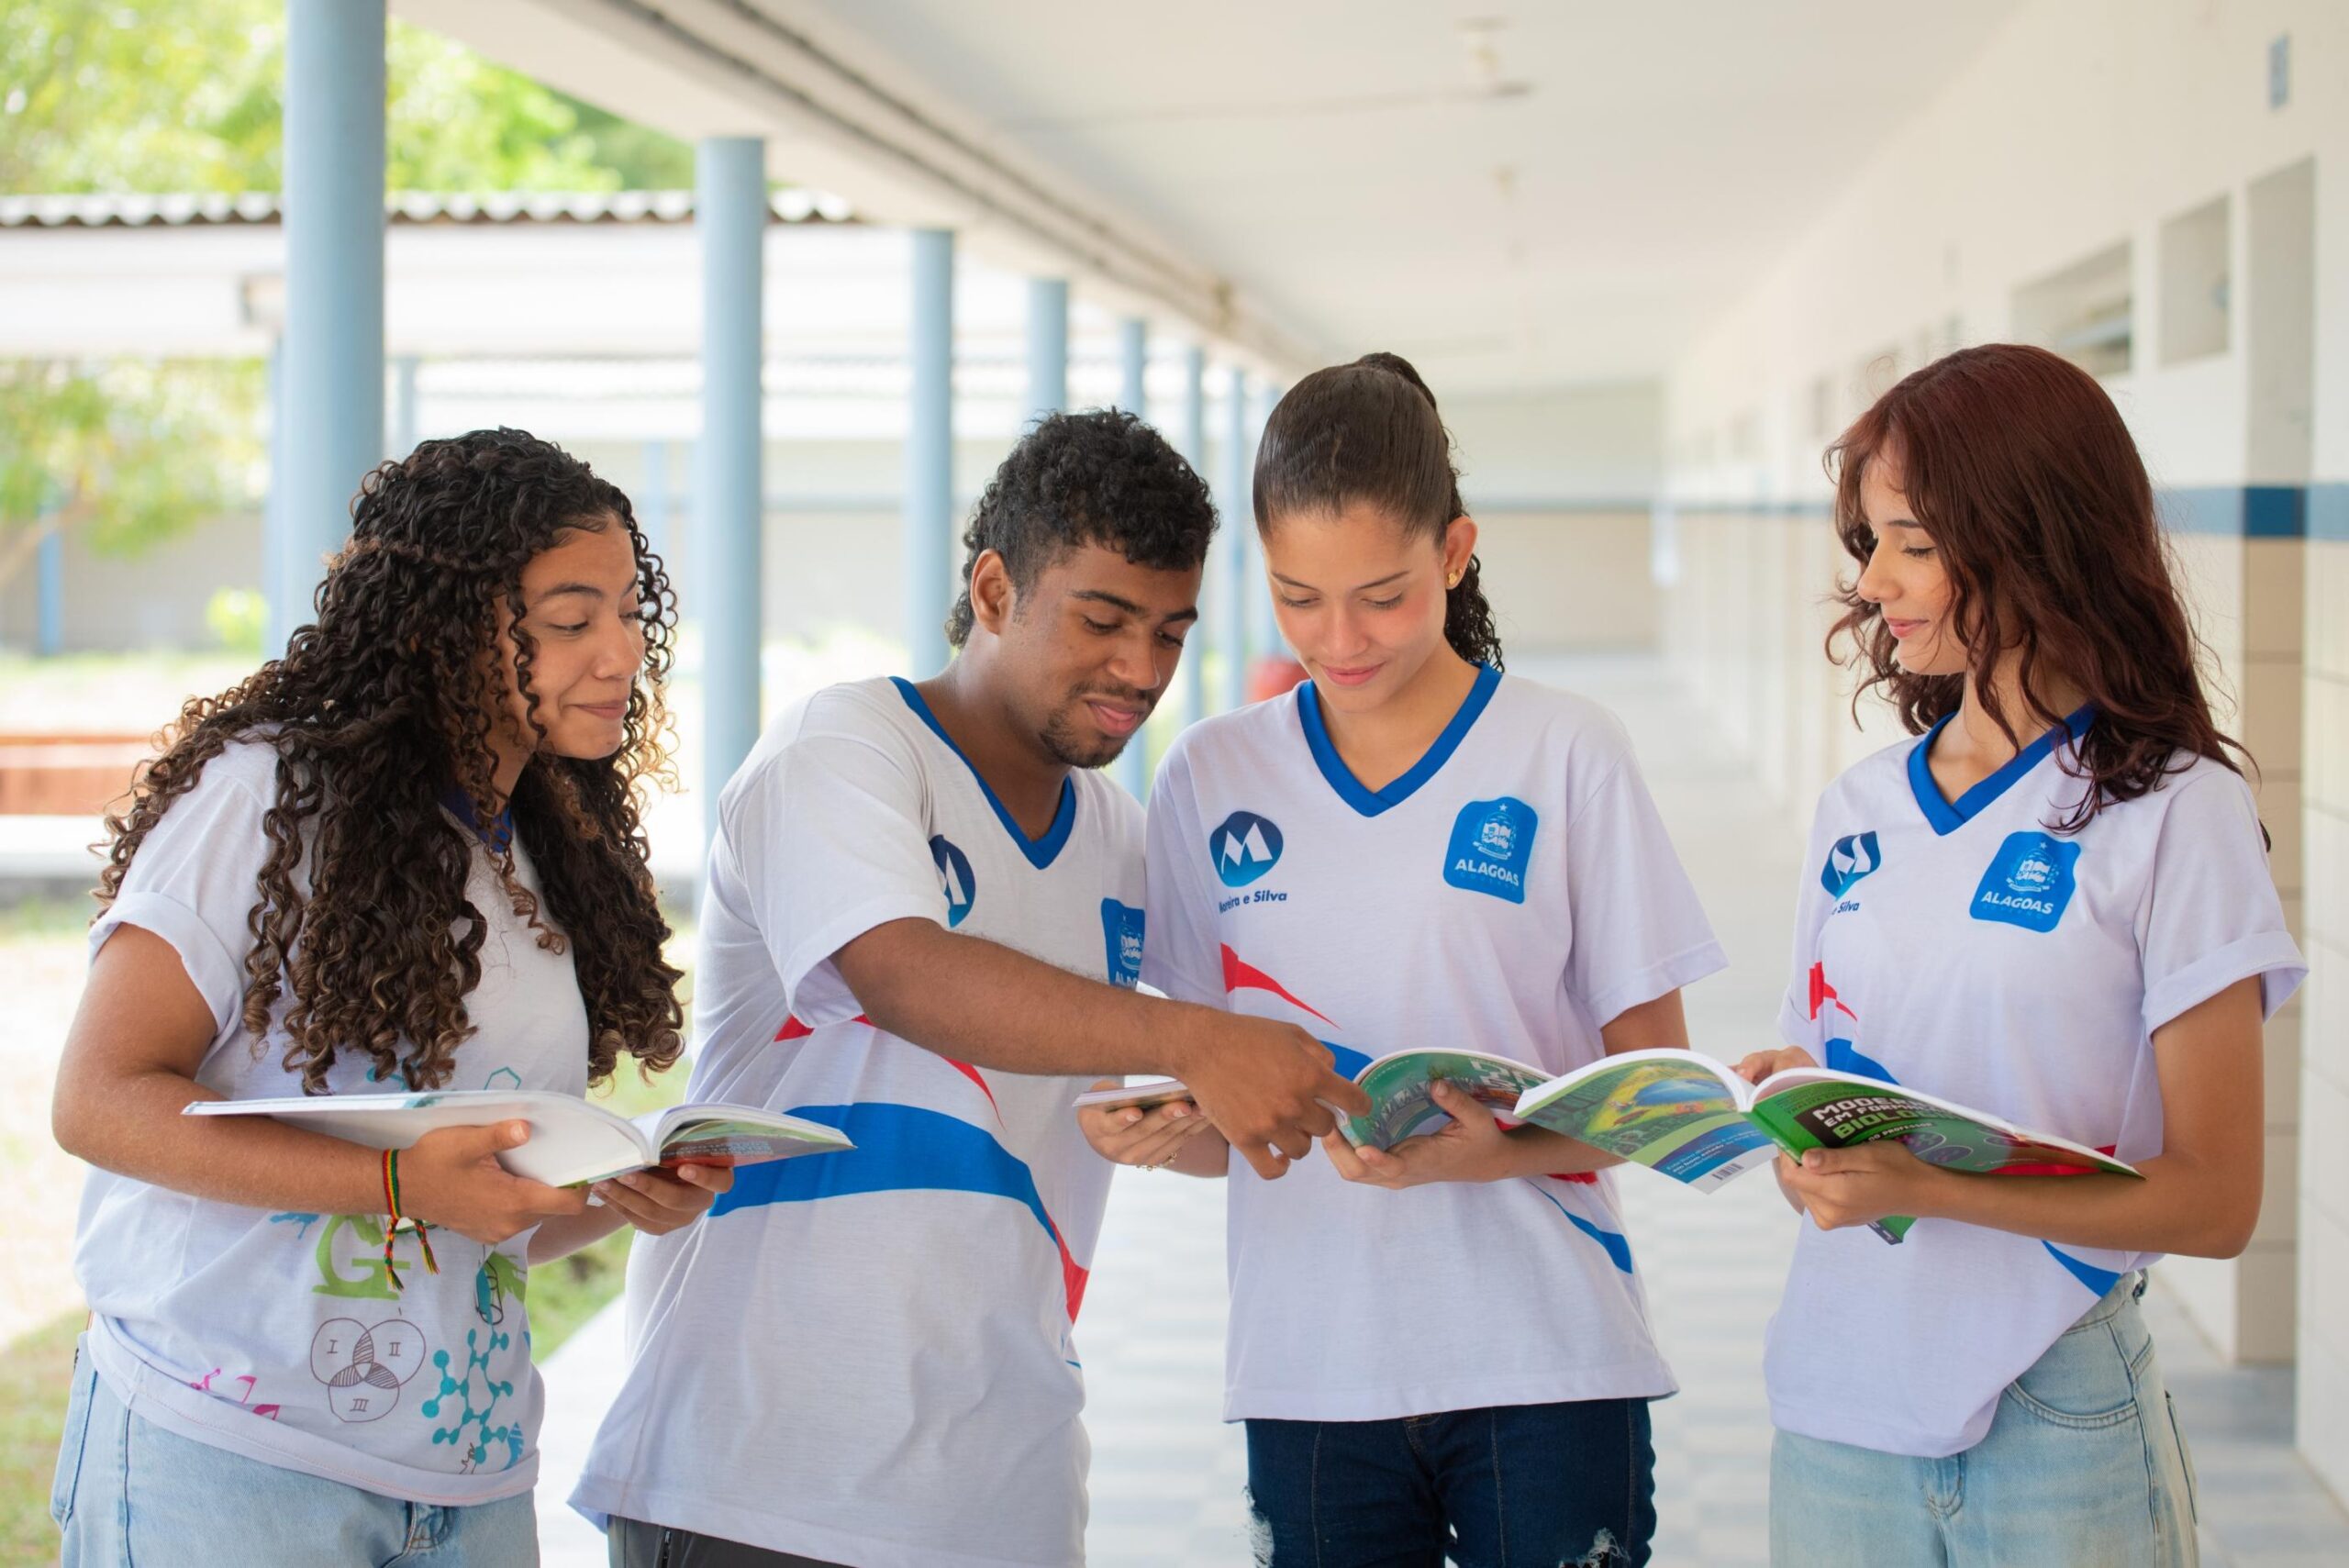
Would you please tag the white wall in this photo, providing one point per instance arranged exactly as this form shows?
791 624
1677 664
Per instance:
2085 124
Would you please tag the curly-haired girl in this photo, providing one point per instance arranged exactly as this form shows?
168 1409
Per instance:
405 854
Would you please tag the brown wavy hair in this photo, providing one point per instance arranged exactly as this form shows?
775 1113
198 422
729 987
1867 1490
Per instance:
2020 468
376 711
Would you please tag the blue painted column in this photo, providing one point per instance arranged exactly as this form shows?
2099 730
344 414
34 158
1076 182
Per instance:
49 567
929 454
275 601
730 218
1191 441
1240 527
1264 633
334 286
1132 766
1047 348
654 507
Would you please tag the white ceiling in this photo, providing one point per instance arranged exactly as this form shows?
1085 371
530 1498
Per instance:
1513 194
1569 208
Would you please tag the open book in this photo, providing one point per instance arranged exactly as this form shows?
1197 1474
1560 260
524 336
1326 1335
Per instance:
572 1141
1684 1114
1689 1117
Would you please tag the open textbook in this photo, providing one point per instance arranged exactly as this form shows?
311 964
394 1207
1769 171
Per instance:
1689 1117
1684 1114
572 1141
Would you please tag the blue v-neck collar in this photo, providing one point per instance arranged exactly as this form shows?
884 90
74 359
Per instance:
1371 802
499 833
1948 816
1040 852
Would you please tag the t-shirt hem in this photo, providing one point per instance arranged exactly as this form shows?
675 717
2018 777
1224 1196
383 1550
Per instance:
1682 968
211 968
2263 954
837 933
1880 1439
599 1499
1645 1379
162 1401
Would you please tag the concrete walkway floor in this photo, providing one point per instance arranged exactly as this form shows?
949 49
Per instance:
1167 1474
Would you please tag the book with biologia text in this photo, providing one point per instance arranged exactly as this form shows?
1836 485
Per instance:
572 1141
1689 1117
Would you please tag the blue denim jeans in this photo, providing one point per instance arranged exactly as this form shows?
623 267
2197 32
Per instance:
2084 1467
1510 1486
129 1492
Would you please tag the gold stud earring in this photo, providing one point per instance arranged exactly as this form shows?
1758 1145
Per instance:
1453 581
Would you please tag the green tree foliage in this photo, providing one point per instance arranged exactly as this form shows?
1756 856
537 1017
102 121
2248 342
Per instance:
171 97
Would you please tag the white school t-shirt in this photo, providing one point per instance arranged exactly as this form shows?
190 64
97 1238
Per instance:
1966 950
866 1357
276 1336
1510 893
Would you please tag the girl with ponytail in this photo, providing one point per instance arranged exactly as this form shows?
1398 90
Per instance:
1440 1347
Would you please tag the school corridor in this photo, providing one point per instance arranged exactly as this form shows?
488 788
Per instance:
1167 1474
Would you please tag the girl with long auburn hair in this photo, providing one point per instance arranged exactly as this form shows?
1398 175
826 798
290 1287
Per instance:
1440 1350
406 855
2054 903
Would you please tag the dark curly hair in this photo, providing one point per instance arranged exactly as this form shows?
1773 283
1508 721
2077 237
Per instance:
1369 432
1101 477
376 711
2024 475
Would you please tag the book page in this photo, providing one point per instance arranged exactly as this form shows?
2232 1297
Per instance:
1402 1101
1669 1110
733 1135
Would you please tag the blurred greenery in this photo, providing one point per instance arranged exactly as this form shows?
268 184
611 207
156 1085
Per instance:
157 96
36 1374
238 619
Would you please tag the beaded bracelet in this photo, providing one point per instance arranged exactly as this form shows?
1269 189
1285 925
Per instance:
392 1224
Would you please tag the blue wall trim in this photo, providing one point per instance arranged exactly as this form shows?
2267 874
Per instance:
2231 511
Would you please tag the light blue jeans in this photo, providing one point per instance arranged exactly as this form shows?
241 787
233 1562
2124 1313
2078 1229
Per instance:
2084 1467
129 1492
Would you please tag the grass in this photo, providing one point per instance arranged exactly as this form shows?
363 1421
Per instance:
36 1373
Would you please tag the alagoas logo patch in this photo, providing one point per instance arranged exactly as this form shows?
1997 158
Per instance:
954 880
1492 843
1848 860
2029 882
1122 929
1244 848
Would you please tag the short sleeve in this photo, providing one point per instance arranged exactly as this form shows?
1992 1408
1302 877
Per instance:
1183 956
1798 1023
830 840
197 875
2212 916
1638 932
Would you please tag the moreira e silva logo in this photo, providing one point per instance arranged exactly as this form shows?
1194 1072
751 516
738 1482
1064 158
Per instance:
1244 848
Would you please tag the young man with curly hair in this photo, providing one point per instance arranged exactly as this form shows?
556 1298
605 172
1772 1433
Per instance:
923 925
405 854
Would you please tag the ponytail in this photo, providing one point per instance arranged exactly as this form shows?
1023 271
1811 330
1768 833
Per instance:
1369 432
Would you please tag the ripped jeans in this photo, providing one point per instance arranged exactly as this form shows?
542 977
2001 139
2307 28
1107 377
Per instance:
1510 1486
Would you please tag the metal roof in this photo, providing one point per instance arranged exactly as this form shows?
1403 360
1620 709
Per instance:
134 211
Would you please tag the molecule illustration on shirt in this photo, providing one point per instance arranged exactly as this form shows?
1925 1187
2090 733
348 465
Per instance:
364 1366
474 1426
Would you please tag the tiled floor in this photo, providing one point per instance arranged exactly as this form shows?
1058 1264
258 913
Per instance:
1167 1474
